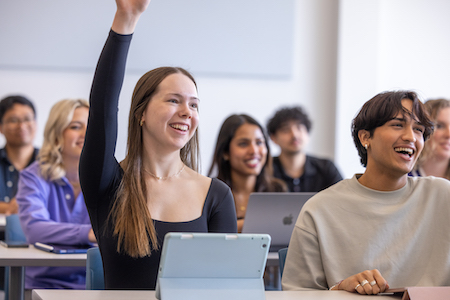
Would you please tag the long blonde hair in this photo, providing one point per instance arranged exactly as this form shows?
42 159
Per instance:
433 107
50 159
133 224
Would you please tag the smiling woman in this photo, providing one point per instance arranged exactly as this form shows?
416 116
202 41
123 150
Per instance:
435 157
242 160
171 117
51 205
156 189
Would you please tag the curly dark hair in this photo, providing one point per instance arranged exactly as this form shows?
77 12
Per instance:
285 115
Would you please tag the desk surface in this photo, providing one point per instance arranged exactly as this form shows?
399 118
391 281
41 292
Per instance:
150 295
32 257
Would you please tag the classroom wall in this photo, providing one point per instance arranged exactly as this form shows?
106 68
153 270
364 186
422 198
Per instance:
387 45
344 52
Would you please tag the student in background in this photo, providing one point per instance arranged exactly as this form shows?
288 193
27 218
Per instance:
18 126
435 157
382 228
156 189
51 205
289 128
242 160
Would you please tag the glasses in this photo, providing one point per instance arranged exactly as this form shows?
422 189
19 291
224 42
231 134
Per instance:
17 121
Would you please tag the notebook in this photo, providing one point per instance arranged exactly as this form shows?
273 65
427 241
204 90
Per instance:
212 266
62 249
421 293
274 214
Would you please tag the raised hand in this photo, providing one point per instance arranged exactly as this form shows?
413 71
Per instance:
132 6
127 15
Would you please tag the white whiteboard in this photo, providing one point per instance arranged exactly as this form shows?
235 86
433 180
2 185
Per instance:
250 38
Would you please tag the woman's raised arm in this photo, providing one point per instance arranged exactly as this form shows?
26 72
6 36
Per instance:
127 15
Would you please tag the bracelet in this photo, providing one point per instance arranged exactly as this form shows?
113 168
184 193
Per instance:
337 284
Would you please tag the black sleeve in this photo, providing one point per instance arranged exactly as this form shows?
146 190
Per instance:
98 166
223 216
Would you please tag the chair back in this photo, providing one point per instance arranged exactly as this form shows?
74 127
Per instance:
13 229
282 259
94 270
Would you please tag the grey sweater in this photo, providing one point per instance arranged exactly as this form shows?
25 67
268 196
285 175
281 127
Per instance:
348 228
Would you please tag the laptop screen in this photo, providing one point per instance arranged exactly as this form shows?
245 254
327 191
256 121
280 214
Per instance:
274 214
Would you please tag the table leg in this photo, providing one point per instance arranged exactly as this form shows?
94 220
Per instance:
16 283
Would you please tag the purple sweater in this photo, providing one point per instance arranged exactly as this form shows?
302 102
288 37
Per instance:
49 213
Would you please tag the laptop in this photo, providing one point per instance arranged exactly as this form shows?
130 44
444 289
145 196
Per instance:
62 249
215 266
274 214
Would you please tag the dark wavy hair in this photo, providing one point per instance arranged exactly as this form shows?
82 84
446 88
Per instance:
287 114
381 109
265 182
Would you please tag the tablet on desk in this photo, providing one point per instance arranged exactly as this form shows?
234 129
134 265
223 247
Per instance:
204 266
62 249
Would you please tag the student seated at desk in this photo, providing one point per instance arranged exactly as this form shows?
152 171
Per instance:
382 228
289 128
242 160
156 189
18 126
51 205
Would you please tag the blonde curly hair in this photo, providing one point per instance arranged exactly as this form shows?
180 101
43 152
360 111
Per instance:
50 158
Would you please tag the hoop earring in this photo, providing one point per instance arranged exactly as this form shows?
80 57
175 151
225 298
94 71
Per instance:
141 122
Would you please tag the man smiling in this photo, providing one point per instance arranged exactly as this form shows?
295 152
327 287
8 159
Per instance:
18 125
382 228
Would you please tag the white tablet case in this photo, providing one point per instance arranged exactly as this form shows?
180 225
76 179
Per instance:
212 266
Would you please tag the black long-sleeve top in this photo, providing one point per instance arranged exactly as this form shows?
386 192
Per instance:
318 175
101 174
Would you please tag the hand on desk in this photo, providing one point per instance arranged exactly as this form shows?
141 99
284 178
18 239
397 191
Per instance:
367 282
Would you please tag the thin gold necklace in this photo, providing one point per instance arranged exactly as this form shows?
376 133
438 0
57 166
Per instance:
164 178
